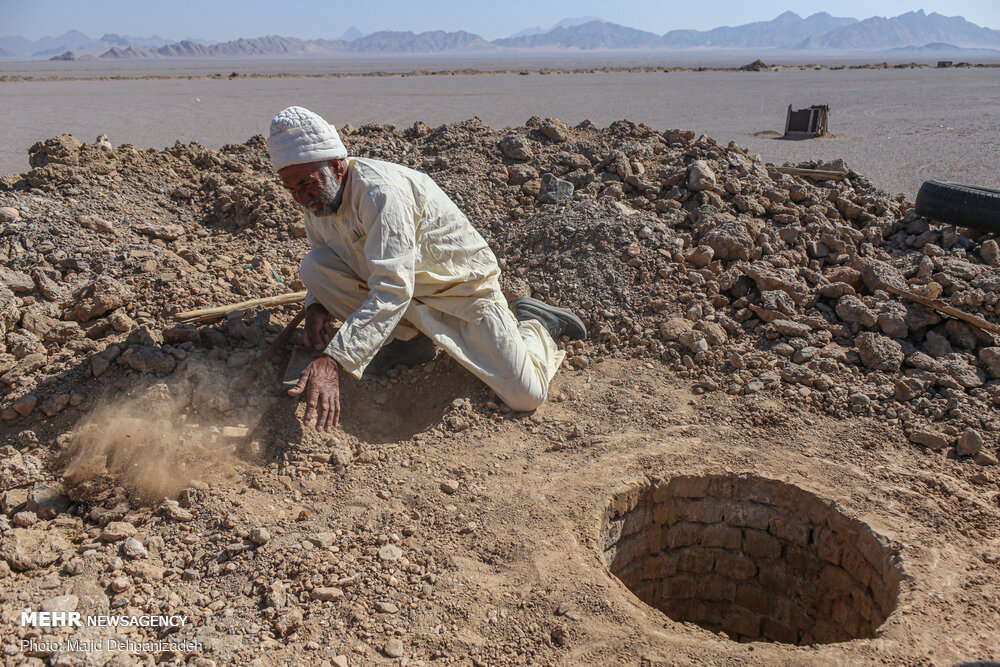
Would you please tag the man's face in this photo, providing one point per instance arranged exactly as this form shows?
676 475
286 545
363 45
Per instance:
315 186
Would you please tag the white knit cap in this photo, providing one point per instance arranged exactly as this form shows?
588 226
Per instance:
299 136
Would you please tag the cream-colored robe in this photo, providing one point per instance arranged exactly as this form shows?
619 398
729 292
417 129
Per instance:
398 254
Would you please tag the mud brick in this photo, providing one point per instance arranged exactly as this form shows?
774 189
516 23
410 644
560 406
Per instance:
720 486
758 544
828 547
780 579
874 552
721 535
743 622
682 586
663 565
857 566
735 566
777 631
685 486
696 560
612 533
670 512
655 539
682 534
833 579
707 510
715 587
758 490
754 598
625 499
750 515
636 520
803 560
790 530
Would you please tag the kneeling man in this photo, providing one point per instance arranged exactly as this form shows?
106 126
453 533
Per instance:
395 260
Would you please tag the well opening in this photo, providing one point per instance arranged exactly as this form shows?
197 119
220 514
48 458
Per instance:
754 558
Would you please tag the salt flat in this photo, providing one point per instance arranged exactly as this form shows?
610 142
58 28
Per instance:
898 127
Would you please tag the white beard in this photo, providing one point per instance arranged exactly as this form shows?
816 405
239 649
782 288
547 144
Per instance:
331 194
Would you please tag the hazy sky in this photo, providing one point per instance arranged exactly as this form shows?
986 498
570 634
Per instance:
311 19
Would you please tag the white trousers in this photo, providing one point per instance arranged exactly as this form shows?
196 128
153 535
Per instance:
515 359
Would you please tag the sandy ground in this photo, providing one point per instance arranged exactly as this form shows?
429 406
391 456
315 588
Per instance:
898 126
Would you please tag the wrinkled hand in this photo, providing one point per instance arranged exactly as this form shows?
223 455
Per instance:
318 328
321 382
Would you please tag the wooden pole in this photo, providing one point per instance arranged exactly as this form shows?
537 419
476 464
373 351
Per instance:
204 314
285 334
942 307
818 174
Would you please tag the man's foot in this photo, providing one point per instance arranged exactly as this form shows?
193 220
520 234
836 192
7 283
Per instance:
407 353
557 321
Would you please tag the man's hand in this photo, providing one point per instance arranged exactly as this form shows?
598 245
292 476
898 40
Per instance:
321 382
318 328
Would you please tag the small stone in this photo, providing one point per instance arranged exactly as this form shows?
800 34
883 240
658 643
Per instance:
700 256
117 530
554 190
121 584
63 603
450 486
969 443
25 519
322 540
339 661
9 214
516 147
235 432
393 648
932 439
879 352
47 501
260 536
326 594
790 328
700 176
288 621
985 458
390 552
133 548
386 607
172 509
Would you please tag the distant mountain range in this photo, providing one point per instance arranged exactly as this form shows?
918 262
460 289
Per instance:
788 32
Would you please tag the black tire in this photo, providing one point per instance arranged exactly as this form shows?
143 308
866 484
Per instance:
960 205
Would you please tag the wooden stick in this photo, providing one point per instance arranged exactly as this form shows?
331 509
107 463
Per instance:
204 314
818 174
942 307
285 334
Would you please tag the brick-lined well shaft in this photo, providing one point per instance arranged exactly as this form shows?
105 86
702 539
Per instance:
756 558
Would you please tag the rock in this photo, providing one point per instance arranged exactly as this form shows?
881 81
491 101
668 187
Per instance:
700 176
985 458
990 356
932 439
519 174
556 130
695 341
48 287
341 456
834 290
99 297
965 374
877 274
145 571
339 661
16 281
326 594
96 224
774 305
674 327
893 323
260 536
30 549
393 648
450 486
117 530
288 621
133 548
783 280
386 607
25 519
729 241
61 603
937 345
990 252
55 405
9 214
969 443
170 232
700 256
25 405
10 313
64 332
879 352
172 509
148 359
390 552
516 147
235 432
853 310
789 328
47 501
554 190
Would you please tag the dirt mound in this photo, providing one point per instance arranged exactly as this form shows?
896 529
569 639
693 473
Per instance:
706 278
